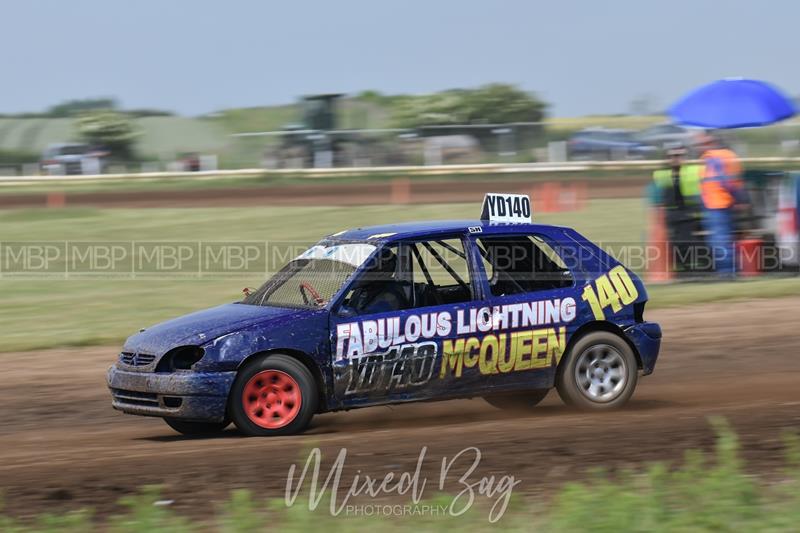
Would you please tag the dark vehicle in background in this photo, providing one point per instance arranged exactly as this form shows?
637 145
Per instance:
190 162
608 144
72 159
313 142
664 135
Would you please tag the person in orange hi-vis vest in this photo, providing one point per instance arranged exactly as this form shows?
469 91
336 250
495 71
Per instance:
721 189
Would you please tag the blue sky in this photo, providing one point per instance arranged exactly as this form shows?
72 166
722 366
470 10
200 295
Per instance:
197 56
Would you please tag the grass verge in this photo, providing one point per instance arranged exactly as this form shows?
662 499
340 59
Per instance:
702 494
276 178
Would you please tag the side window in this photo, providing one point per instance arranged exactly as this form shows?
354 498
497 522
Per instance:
438 271
382 286
520 263
414 274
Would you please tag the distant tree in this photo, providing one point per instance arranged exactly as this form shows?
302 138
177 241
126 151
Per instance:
379 99
146 112
497 103
72 108
500 103
437 109
110 129
370 95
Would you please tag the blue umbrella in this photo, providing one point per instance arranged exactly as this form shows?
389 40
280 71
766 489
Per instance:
732 103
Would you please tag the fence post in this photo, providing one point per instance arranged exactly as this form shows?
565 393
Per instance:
400 191
56 199
659 269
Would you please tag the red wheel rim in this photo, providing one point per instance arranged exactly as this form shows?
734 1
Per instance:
271 399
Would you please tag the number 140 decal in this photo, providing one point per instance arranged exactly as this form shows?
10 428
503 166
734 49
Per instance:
615 289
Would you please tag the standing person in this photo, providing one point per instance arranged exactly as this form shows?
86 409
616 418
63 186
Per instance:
721 188
679 193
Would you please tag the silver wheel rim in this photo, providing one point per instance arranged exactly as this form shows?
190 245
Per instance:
601 373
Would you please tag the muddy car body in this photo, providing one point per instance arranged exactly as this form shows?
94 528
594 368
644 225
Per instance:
399 313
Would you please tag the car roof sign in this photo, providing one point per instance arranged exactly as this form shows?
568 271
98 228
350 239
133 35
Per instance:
500 207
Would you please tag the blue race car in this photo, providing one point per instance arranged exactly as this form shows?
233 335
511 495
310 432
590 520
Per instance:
499 308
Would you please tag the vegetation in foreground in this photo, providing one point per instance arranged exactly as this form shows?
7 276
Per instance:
703 494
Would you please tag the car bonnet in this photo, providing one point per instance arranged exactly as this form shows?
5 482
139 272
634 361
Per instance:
201 327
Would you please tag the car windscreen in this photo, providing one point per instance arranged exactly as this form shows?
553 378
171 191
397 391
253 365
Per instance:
314 277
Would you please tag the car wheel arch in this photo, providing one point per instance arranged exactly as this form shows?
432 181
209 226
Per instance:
303 358
600 325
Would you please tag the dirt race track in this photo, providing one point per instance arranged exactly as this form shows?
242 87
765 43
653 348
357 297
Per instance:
63 447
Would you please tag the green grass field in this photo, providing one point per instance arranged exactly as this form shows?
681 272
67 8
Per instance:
44 313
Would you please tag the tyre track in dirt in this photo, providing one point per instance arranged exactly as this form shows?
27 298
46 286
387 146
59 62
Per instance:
63 447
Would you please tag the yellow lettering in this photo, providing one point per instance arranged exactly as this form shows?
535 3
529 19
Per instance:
590 297
520 349
453 357
488 365
539 348
505 359
556 343
607 295
470 352
623 284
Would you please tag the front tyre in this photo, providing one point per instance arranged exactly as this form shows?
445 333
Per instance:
273 395
196 429
600 372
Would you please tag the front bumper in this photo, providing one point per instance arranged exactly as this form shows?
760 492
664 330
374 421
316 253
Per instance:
646 338
187 395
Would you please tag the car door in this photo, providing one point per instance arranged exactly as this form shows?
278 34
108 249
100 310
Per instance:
394 323
534 304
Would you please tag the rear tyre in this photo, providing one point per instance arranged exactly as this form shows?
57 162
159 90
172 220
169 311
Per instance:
599 372
273 395
196 429
517 401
